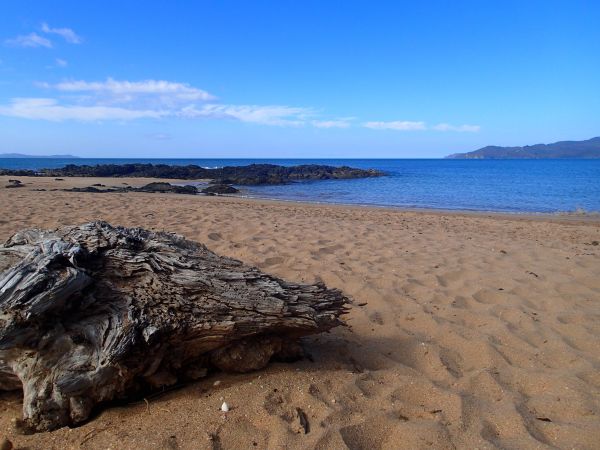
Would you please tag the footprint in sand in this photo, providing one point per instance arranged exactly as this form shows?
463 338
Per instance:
452 361
279 404
328 250
272 261
376 317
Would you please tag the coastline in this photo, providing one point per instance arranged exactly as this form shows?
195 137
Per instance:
467 329
70 182
560 216
510 186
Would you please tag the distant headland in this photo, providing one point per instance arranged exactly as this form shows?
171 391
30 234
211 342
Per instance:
564 150
21 155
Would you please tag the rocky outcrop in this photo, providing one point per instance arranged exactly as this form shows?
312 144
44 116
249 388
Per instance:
14 184
219 189
253 174
159 187
167 187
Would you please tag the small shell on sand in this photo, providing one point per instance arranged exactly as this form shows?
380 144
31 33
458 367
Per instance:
225 407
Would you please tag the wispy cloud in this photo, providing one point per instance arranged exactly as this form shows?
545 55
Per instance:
460 128
66 33
338 123
264 115
61 62
31 40
420 126
125 100
50 109
129 100
126 90
404 125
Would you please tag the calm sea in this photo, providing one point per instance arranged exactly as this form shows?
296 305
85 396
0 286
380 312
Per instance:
519 186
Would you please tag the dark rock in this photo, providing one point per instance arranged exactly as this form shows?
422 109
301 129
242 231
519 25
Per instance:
85 189
187 189
14 184
19 172
156 187
220 189
160 187
253 174
168 187
151 187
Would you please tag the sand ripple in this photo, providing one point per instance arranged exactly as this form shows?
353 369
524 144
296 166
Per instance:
475 331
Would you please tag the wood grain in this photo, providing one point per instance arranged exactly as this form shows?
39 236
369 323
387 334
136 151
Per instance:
94 312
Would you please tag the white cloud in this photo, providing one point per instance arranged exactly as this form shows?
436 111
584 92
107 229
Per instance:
264 115
66 33
61 62
420 126
461 128
125 89
339 123
130 100
124 100
396 125
29 40
50 109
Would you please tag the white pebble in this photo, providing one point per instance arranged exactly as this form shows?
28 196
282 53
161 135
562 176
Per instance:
216 383
225 407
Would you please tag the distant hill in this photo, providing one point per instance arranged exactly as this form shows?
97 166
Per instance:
20 155
563 149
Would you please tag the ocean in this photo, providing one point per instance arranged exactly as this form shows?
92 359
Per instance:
512 186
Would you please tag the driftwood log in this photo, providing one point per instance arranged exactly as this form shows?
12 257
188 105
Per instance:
93 313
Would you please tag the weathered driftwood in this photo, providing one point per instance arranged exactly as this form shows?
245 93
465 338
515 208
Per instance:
92 313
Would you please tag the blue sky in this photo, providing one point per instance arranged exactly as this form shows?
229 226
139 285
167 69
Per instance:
295 79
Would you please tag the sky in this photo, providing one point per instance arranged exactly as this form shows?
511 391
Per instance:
295 79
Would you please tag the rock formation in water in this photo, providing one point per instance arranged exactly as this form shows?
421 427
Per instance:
253 174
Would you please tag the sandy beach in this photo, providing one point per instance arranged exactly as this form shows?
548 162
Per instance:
467 331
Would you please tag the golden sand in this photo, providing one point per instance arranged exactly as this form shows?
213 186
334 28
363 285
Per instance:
476 330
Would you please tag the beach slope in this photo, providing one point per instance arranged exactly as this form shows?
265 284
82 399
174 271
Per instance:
467 330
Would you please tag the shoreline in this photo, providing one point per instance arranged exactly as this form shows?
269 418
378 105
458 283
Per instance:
591 216
69 182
